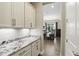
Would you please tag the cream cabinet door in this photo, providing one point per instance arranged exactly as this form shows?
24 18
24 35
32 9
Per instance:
29 15
28 53
23 52
36 48
5 14
18 14
33 16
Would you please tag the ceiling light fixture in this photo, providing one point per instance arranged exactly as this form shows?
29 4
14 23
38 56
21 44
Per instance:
52 6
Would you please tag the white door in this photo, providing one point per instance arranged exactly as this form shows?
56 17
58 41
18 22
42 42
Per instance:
71 34
18 14
5 14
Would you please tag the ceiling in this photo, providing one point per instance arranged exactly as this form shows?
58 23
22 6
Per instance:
51 13
45 3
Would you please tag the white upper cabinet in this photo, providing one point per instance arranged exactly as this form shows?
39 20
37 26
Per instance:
5 14
39 14
29 15
18 14
33 16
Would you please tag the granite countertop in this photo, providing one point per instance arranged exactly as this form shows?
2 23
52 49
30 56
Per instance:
10 48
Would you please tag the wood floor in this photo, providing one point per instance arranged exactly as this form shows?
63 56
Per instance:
52 47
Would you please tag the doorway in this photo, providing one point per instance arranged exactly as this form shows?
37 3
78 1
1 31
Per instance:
51 28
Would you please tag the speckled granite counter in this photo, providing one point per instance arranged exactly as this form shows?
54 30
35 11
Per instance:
10 48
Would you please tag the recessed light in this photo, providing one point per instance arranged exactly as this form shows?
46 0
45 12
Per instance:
52 6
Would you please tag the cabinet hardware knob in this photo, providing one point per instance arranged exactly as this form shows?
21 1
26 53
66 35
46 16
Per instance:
13 22
31 24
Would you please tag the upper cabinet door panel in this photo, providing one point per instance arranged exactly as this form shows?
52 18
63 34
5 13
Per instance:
29 15
33 16
5 14
18 13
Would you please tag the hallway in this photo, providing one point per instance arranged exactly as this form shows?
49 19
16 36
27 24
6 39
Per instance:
52 48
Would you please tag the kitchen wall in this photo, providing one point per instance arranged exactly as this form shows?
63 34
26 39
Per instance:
35 32
72 37
10 34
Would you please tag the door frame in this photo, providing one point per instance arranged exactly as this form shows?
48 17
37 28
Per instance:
63 28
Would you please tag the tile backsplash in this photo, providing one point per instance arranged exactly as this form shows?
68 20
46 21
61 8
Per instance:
35 32
10 34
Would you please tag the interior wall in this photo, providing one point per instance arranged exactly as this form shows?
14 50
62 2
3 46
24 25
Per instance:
72 28
11 34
